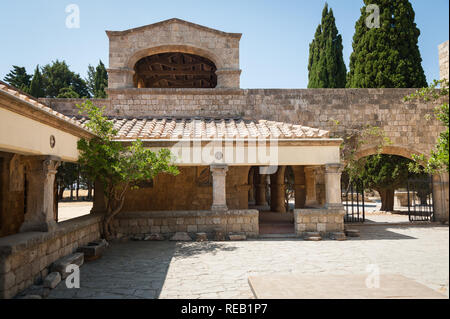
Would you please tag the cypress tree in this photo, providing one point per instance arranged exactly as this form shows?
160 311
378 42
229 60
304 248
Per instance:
19 78
388 56
37 85
326 64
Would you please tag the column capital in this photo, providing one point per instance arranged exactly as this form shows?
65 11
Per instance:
48 164
334 168
219 168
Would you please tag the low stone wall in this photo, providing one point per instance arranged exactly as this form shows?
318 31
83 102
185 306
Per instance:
26 257
324 221
170 222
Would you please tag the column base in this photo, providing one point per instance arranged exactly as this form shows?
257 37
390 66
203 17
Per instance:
219 208
334 206
44 227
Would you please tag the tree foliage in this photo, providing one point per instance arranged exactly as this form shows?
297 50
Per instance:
37 84
385 173
116 167
326 64
438 161
97 81
19 78
388 56
57 77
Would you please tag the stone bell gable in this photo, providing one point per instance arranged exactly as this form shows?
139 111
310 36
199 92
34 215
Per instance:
128 47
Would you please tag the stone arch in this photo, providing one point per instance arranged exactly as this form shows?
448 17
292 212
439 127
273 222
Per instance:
132 60
389 150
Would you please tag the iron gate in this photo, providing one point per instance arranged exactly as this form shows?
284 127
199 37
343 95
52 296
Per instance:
353 201
420 198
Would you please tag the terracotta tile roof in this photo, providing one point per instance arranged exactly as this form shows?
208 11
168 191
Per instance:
209 128
34 103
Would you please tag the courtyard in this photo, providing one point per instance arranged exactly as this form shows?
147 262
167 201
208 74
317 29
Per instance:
169 270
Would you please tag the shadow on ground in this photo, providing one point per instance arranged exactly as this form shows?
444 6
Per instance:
136 271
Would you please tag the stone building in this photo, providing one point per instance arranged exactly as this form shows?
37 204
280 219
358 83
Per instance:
175 84
443 60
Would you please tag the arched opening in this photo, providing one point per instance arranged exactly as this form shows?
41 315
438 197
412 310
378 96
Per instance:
175 70
385 190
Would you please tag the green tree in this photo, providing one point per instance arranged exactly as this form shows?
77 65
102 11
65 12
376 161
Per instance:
58 76
326 64
97 81
67 93
439 159
385 173
388 56
37 84
19 78
66 177
116 167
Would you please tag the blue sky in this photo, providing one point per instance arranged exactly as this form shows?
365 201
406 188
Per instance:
274 46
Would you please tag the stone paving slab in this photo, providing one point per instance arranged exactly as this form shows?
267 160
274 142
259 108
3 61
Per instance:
193 270
297 286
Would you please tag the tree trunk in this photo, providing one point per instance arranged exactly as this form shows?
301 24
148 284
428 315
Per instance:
89 191
387 199
71 193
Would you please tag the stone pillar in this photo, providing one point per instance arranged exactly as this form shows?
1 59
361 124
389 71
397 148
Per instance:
310 180
299 186
277 191
260 196
219 172
251 189
228 78
120 78
333 185
39 215
441 197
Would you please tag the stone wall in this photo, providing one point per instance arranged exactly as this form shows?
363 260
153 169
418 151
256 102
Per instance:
174 35
324 221
168 223
443 60
403 122
190 190
26 257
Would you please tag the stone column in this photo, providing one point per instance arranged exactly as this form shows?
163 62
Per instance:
260 196
441 197
333 185
277 191
39 215
219 172
299 186
310 180
251 190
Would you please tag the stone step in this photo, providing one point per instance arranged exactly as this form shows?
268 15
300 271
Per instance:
313 238
352 233
61 264
200 237
338 236
311 234
237 237
263 236
52 280
181 236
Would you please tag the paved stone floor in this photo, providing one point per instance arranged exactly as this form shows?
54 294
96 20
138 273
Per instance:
220 269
